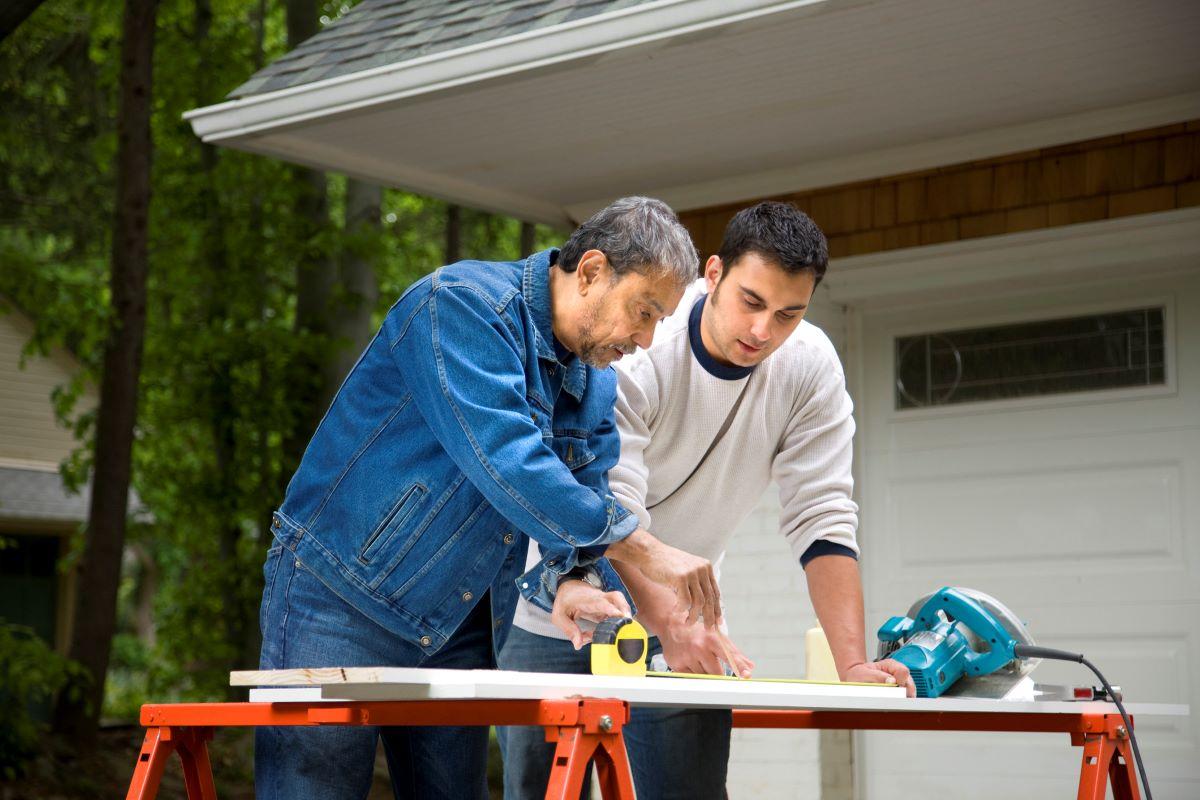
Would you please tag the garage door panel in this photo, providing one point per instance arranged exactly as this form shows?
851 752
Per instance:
1117 509
1147 411
1040 515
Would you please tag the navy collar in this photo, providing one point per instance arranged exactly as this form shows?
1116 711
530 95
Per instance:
710 364
535 284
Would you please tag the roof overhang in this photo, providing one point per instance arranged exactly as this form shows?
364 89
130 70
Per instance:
703 102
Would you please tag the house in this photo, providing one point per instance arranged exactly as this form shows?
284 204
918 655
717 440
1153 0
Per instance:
1012 196
38 515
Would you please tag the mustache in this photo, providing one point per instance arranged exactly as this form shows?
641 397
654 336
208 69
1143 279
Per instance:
626 349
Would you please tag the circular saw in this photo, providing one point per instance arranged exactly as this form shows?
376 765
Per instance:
958 641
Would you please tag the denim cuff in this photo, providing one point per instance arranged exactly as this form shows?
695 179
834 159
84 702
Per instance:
540 584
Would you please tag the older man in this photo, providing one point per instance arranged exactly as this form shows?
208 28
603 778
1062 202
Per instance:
480 417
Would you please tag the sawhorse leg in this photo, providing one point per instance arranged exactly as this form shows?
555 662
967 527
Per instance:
159 744
596 736
1107 757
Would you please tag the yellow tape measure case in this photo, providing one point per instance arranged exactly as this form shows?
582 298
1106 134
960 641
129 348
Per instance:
619 647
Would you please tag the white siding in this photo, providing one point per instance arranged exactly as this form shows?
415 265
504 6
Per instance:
29 433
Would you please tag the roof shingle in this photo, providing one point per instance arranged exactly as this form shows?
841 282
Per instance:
381 32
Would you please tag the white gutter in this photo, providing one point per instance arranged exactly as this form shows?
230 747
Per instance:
556 44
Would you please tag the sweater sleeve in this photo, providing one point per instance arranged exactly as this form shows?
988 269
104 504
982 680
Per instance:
812 467
637 401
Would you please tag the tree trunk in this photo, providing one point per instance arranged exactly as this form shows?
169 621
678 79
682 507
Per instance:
222 411
144 593
528 237
453 233
100 570
315 276
358 290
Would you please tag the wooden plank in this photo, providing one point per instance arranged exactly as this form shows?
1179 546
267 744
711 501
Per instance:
306 677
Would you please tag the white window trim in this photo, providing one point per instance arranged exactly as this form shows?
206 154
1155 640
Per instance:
1057 399
921 278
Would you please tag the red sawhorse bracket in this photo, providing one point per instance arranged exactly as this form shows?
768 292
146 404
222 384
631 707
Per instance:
1106 752
585 730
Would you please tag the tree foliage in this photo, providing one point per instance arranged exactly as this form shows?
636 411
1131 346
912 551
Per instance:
219 395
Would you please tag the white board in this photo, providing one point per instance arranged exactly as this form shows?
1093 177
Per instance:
400 683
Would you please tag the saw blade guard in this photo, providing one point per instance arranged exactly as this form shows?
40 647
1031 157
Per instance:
1012 624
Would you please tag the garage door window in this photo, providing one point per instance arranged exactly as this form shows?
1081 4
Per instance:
1113 350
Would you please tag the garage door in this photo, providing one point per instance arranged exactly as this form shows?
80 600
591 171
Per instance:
1042 445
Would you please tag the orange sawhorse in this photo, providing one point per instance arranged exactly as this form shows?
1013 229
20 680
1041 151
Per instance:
585 729
1107 755
590 729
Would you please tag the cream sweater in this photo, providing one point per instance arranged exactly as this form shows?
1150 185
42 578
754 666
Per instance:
794 427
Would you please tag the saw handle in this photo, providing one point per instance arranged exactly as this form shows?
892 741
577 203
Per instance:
971 614
1033 651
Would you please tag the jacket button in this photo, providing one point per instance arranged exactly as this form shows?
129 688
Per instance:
508 538
551 562
498 621
467 596
426 641
275 523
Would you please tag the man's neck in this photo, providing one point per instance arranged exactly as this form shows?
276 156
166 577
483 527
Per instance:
706 339
559 303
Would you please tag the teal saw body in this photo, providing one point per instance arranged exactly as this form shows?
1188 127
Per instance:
954 633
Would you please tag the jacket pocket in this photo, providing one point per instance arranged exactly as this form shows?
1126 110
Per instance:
572 451
392 522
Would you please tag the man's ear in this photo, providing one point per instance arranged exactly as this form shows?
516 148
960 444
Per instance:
713 270
593 270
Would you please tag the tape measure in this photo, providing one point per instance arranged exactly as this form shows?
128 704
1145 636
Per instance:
619 646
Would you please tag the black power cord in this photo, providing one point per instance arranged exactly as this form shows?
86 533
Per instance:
1032 651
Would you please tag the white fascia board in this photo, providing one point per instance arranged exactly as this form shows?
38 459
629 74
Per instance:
987 143
556 44
1152 243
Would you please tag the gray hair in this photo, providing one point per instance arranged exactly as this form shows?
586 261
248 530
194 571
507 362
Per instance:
636 234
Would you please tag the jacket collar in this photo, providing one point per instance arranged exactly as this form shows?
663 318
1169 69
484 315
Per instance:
536 287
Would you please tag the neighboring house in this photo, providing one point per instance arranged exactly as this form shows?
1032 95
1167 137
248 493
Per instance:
1012 195
37 514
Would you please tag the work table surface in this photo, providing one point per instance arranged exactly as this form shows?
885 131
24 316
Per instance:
402 683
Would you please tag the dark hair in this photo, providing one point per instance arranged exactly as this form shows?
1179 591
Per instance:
636 234
781 234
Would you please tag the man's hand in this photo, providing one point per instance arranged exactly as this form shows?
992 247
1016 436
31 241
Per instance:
576 600
885 671
690 577
691 647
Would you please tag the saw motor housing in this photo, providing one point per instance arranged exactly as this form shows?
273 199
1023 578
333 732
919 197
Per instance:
936 643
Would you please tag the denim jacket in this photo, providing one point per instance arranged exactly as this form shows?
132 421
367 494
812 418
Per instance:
457 434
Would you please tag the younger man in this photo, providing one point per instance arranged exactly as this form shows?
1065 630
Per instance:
736 392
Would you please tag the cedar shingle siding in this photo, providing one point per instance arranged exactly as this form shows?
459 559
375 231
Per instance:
1136 173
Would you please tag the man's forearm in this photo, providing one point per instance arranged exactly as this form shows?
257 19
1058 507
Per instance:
654 602
835 587
689 577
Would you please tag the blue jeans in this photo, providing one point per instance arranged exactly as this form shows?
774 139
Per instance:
675 753
305 624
